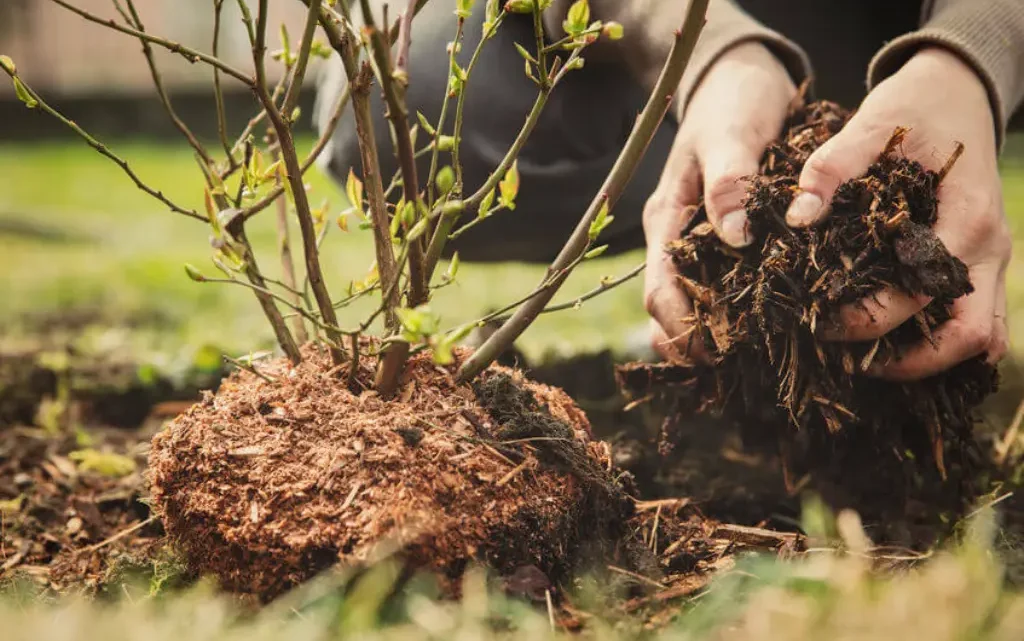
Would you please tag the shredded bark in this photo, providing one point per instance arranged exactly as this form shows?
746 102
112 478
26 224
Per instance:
760 313
264 484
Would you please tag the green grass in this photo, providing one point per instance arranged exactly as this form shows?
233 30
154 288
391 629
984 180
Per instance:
126 256
123 254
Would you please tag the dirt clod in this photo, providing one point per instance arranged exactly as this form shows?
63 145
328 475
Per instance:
264 500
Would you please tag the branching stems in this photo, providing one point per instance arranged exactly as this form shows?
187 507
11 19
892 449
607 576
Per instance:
577 244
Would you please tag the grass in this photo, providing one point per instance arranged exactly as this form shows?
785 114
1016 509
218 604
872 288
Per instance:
123 255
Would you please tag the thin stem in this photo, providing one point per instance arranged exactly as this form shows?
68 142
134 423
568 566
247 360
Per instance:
266 299
538 33
294 176
291 99
318 148
218 92
188 53
444 227
398 115
158 84
633 151
576 302
105 151
439 129
460 106
287 262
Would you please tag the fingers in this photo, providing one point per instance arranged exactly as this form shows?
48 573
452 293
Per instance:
969 333
874 316
845 156
727 168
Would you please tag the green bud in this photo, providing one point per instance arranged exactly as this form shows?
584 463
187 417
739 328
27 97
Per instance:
524 53
612 31
8 65
446 143
425 124
595 252
445 179
485 204
24 94
519 6
194 273
575 63
418 229
453 208
453 267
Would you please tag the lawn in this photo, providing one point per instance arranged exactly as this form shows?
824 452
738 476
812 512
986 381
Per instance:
77 235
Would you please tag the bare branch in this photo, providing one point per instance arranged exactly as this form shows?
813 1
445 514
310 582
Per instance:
218 93
189 54
291 99
398 114
158 84
577 244
105 151
294 177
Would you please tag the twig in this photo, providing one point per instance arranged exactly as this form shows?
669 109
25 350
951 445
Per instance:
105 151
442 118
120 535
158 84
294 177
291 98
318 148
398 115
637 577
218 92
287 263
247 367
622 171
597 291
188 53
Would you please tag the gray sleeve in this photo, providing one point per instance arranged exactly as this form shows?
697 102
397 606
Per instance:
650 25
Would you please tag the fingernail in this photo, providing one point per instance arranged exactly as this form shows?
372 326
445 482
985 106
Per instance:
734 229
804 210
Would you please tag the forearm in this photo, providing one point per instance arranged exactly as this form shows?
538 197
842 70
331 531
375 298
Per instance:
649 26
987 34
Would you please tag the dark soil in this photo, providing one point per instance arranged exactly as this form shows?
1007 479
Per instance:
68 529
902 454
265 484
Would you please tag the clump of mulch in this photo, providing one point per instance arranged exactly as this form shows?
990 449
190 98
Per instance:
759 312
272 480
66 528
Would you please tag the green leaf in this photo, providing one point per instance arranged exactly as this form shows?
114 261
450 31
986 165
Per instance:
601 220
408 214
24 94
453 267
577 19
425 124
485 205
194 273
445 179
104 463
509 186
490 18
612 31
595 252
418 323
524 53
9 66
354 190
519 6
464 8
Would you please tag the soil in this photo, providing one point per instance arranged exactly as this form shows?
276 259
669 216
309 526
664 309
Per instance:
264 484
901 454
67 529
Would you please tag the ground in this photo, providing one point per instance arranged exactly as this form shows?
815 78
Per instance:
88 255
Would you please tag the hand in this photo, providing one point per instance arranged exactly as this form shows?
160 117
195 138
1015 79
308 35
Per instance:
736 111
942 101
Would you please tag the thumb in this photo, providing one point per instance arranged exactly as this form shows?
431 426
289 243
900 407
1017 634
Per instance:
727 169
845 156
